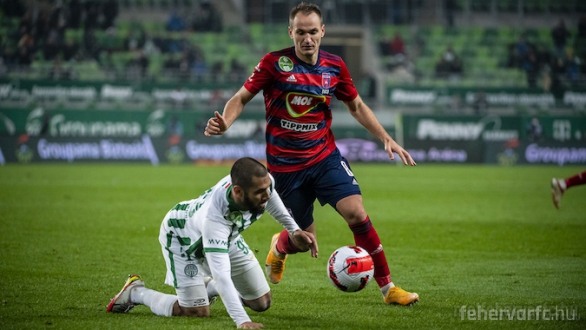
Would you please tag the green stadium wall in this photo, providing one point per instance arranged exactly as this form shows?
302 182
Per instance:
159 136
496 97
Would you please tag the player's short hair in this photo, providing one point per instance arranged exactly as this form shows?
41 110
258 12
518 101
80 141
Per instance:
305 8
244 169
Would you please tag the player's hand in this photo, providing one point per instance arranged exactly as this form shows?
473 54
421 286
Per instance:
392 147
305 240
250 325
216 125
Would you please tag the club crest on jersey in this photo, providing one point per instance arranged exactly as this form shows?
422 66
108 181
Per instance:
285 63
299 104
235 217
325 83
190 270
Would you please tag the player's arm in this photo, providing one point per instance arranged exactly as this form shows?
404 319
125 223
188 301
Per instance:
215 237
219 124
219 263
364 115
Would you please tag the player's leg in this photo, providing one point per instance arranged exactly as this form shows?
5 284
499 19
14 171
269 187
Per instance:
248 277
191 298
122 302
192 301
184 272
210 284
299 201
559 186
187 278
338 187
576 180
366 236
135 293
189 301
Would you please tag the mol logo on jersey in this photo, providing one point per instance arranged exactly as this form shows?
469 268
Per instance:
299 104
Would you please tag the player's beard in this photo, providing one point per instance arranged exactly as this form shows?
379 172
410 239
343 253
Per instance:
251 206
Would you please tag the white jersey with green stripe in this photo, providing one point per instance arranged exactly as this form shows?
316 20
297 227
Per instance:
213 220
205 228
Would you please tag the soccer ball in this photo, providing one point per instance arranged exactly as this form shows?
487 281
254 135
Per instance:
350 268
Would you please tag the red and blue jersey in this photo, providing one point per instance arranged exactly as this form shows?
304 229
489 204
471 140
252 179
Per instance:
297 99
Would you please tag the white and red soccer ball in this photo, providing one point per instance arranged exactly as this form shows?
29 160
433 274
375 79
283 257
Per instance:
350 268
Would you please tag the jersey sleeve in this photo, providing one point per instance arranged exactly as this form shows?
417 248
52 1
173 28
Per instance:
262 76
215 229
277 210
216 233
345 90
219 264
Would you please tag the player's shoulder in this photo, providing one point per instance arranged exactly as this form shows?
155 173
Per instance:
329 58
288 51
225 183
221 189
285 55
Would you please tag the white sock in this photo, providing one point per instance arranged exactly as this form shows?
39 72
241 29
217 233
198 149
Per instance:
279 254
562 183
211 288
164 305
159 303
385 289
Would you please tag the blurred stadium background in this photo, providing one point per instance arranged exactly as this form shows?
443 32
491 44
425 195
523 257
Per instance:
162 66
114 86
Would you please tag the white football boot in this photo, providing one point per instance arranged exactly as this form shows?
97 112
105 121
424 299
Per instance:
121 302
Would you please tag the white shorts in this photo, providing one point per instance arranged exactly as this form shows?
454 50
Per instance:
184 270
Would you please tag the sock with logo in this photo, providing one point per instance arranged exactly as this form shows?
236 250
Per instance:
366 237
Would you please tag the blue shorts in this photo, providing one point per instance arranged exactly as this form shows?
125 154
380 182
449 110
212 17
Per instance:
329 181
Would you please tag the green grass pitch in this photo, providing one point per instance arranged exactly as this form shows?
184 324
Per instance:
476 242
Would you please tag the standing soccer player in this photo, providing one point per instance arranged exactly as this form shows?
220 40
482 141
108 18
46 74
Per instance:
298 84
202 237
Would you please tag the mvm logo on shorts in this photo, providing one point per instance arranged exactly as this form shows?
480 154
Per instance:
298 104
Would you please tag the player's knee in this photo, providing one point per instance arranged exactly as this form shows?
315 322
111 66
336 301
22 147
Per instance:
352 209
203 311
261 304
354 217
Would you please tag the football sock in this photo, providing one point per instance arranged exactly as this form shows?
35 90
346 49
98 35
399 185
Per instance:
164 305
385 289
575 180
285 245
137 294
159 303
366 237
